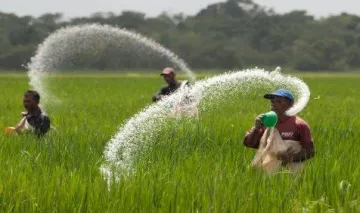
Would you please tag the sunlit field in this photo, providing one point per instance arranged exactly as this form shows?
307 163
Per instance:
199 165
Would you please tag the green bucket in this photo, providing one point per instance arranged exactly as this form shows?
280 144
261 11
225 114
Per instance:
269 119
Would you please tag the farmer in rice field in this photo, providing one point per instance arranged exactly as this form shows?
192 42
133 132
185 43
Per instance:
34 120
169 76
288 128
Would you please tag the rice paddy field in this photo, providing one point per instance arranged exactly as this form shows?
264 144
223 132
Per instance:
192 165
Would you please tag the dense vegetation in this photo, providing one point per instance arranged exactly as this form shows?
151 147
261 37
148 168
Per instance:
196 166
233 34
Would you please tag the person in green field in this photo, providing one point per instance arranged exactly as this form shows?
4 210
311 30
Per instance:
288 128
34 120
173 84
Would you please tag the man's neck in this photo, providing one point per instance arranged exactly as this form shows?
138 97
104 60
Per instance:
282 117
173 83
34 111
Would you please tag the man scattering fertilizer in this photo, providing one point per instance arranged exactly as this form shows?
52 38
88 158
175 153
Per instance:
170 78
34 120
288 144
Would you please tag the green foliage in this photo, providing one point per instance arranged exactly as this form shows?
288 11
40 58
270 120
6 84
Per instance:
227 35
192 166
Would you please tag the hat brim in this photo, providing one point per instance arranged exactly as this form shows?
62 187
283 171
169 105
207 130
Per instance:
162 74
272 95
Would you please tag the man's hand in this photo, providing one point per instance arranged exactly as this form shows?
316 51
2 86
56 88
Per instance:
258 124
18 128
20 125
252 138
287 156
307 152
160 96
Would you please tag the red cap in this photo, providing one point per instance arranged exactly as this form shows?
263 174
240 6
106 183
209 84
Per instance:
167 71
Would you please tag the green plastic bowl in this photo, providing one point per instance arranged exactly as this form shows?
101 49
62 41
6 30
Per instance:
269 119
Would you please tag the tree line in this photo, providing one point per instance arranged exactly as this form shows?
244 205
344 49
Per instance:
228 35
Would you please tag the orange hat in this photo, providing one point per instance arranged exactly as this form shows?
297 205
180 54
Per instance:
167 71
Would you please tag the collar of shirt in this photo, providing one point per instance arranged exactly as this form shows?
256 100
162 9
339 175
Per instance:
35 114
285 119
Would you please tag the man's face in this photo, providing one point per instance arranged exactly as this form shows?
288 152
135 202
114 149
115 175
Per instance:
29 103
280 104
169 78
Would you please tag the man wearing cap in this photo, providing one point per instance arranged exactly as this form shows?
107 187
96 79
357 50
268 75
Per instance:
290 128
170 78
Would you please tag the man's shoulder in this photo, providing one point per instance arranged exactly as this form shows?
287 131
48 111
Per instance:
300 121
295 120
44 115
185 82
164 87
